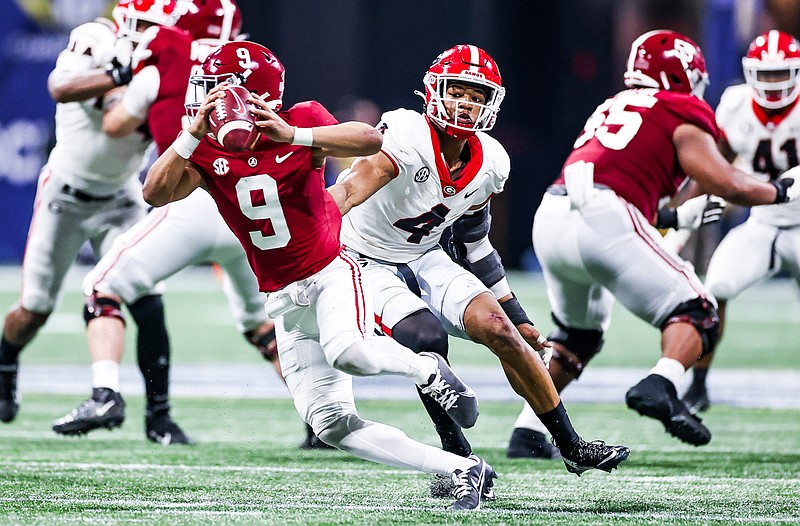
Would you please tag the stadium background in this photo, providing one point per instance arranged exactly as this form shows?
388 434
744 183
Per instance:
558 61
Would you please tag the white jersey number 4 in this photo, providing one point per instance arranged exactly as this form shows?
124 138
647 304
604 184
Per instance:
613 112
246 188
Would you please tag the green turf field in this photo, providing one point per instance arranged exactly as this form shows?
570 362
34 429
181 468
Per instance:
247 469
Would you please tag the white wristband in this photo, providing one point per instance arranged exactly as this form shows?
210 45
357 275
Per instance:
185 144
303 137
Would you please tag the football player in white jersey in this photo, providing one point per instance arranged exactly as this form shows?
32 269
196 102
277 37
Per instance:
759 121
436 170
147 253
88 190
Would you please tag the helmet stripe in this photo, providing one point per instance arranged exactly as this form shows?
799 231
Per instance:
474 58
772 43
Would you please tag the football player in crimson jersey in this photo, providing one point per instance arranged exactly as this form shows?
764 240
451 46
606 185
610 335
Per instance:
146 254
759 122
273 197
595 237
435 170
88 190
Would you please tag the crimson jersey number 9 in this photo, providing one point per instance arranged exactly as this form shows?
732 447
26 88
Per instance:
271 210
613 124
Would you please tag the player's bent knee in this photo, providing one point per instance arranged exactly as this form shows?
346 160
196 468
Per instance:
102 307
702 315
583 345
338 429
422 332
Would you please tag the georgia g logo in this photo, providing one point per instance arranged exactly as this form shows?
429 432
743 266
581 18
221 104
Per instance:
221 166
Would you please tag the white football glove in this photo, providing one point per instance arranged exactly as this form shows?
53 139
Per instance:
787 185
140 51
546 353
699 211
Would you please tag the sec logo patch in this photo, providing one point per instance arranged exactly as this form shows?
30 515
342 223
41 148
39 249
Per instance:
422 175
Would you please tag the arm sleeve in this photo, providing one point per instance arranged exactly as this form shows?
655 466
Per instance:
142 92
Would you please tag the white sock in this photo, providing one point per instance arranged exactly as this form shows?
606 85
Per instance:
528 420
670 369
390 446
105 373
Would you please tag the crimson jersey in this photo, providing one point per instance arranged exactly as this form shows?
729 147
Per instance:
172 57
629 140
274 200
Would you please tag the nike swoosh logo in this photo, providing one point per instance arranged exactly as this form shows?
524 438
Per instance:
468 194
280 158
103 409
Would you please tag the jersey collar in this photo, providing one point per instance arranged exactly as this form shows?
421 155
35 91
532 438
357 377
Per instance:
468 173
775 119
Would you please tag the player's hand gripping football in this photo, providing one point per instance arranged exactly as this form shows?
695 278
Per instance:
200 126
536 340
269 122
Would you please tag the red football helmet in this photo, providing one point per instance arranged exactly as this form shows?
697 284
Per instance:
667 60
243 63
464 64
128 13
771 67
218 20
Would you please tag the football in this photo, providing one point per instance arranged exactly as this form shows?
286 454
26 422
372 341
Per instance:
231 121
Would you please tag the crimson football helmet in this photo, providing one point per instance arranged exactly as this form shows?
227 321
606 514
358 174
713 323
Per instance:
218 20
667 60
240 62
463 64
771 67
128 13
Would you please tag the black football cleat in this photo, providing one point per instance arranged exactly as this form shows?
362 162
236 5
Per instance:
527 443
447 389
160 428
696 399
312 441
9 399
473 485
655 397
594 455
105 408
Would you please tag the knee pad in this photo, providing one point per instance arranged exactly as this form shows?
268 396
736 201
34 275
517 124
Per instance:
422 331
702 315
333 433
584 344
101 307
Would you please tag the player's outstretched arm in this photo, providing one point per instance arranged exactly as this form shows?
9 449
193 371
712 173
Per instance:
702 161
366 176
65 86
347 139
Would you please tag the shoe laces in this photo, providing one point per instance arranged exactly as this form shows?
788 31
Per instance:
463 485
441 392
594 450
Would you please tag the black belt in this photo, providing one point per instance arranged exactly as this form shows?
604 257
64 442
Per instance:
80 195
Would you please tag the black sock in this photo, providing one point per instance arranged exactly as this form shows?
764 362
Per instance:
699 377
450 434
9 353
557 422
153 350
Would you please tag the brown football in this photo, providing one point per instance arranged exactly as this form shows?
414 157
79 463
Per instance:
231 121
